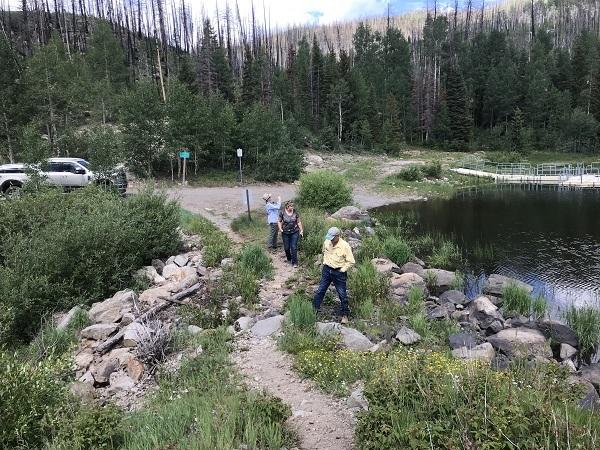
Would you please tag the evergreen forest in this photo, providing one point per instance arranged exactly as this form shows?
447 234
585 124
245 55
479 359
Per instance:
125 82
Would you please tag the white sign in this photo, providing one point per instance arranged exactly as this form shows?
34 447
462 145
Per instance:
239 152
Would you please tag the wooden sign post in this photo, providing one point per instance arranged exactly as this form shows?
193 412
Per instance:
185 155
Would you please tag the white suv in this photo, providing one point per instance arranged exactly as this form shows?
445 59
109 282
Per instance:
66 172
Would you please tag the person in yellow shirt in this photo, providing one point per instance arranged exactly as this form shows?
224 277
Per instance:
337 259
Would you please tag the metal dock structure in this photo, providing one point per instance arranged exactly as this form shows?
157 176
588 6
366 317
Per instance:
574 176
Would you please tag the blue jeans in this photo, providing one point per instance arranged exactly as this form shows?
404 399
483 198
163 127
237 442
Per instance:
338 278
290 245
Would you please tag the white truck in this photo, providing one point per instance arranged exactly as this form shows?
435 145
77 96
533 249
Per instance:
68 173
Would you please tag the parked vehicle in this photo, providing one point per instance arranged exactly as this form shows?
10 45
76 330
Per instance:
69 173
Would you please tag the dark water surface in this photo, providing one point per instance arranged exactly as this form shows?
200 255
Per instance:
548 238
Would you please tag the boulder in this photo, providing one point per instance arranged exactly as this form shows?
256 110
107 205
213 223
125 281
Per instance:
173 272
127 319
84 391
570 365
521 342
369 231
401 284
225 262
454 296
591 373
483 352
244 323
68 318
495 284
104 369
87 378
441 280
406 336
193 329
357 399
589 398
383 265
411 267
112 310
149 274
484 313
325 328
355 340
170 260
559 332
567 352
169 270
440 312
135 369
267 327
123 355
314 160
83 359
381 346
119 382
349 213
158 265
134 334
99 331
181 260
462 340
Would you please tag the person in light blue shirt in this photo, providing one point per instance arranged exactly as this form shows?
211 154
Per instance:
272 219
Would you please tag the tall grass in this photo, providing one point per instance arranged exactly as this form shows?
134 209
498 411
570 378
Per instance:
516 299
586 324
371 247
215 244
367 288
397 250
301 312
254 258
203 406
446 255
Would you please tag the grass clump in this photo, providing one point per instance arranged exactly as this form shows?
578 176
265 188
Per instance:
586 324
397 250
325 190
410 173
254 229
539 307
516 299
215 244
371 247
204 406
254 259
422 399
301 313
432 170
446 255
367 288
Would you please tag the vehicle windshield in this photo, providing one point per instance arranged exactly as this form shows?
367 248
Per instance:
84 163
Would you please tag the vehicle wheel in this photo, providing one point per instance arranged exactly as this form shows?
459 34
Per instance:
13 190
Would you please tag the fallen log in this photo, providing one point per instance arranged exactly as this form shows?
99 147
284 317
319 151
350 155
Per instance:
110 342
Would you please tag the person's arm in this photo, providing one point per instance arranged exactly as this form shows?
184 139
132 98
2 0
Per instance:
300 226
278 204
349 259
280 223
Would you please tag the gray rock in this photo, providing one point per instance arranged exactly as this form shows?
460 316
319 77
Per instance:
401 284
171 260
406 336
355 340
119 382
99 331
127 319
314 160
244 323
267 327
411 267
439 312
135 369
485 313
357 400
441 280
181 260
482 352
454 296
349 213
591 373
559 332
170 270
567 351
87 378
383 265
589 398
462 340
122 355
521 342
149 274
226 262
570 365
83 359
369 231
84 391
380 346
103 370
68 318
495 284
134 334
495 327
158 265
193 329
112 310
325 328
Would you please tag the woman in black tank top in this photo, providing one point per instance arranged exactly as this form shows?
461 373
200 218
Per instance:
291 229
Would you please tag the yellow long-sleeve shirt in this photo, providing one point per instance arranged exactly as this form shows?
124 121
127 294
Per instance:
339 256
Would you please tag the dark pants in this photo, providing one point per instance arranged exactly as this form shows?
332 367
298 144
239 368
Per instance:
290 245
338 278
273 230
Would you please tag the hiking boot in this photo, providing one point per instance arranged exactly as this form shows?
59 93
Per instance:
344 320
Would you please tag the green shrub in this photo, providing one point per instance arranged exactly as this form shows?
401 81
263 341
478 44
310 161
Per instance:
423 400
446 255
315 228
254 258
281 164
246 285
324 189
397 250
410 173
586 324
216 245
371 247
539 307
432 170
61 250
367 288
516 299
302 314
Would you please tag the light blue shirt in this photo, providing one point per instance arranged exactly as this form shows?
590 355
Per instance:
272 212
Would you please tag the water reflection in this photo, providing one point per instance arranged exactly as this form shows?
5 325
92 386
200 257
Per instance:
547 237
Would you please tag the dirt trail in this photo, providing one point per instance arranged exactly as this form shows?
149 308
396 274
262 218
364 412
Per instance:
320 420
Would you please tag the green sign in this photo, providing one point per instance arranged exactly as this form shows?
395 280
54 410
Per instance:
184 155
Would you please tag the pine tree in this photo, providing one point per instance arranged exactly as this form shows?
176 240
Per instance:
459 115
316 82
250 79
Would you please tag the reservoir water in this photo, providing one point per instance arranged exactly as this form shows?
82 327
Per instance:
547 237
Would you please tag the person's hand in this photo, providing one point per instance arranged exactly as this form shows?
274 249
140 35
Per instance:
302 233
